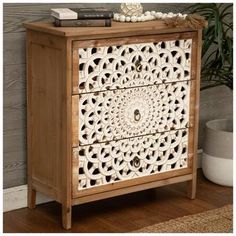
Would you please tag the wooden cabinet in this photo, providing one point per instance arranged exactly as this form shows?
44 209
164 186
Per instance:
110 110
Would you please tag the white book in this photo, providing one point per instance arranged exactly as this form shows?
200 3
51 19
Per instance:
64 14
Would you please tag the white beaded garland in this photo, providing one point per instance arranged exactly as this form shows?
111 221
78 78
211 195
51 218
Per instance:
147 16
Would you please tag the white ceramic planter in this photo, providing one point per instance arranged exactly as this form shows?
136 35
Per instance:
217 160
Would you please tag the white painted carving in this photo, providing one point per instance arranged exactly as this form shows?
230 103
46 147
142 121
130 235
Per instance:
104 163
124 113
111 67
133 111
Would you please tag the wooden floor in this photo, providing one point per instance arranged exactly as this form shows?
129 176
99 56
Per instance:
124 213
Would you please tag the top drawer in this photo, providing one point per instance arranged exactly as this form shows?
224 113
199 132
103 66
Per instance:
131 62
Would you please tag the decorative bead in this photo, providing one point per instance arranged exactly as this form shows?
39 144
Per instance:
134 18
116 16
122 18
153 17
142 18
164 16
170 15
153 13
159 15
127 18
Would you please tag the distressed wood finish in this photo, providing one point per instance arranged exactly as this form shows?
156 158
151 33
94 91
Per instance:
132 39
66 150
195 111
49 119
192 104
53 110
117 30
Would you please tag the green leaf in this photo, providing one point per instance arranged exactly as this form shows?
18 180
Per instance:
225 9
217 42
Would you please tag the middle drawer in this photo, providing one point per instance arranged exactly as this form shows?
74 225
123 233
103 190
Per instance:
124 113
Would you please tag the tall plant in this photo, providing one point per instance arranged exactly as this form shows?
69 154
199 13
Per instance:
217 48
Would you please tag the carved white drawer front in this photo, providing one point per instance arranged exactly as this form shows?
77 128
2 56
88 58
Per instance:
105 163
124 113
111 67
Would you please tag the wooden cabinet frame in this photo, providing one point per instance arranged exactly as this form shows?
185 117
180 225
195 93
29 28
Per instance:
51 63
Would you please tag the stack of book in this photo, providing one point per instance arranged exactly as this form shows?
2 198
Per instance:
82 17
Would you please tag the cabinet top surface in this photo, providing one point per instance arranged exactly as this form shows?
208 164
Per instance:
118 29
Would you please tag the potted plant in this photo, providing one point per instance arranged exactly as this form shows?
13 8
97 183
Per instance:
217 69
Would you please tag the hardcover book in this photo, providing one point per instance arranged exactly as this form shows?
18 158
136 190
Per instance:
81 13
83 23
64 13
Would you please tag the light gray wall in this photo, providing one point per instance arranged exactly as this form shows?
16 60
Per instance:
214 103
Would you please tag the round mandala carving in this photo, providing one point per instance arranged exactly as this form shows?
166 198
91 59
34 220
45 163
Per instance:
125 113
126 104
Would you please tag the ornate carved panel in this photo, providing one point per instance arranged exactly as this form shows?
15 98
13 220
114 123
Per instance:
104 163
124 113
111 67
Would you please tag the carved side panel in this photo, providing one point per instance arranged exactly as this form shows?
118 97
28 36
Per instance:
123 66
104 163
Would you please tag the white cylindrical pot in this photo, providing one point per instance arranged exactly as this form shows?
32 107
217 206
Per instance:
217 160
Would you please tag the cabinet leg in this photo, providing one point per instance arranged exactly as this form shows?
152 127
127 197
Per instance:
66 216
31 197
191 187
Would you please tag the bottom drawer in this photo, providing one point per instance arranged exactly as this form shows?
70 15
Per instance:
105 163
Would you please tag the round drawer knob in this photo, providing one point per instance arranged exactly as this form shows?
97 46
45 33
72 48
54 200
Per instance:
138 66
137 115
136 162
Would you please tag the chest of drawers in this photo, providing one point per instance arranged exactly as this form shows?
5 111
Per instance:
110 110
